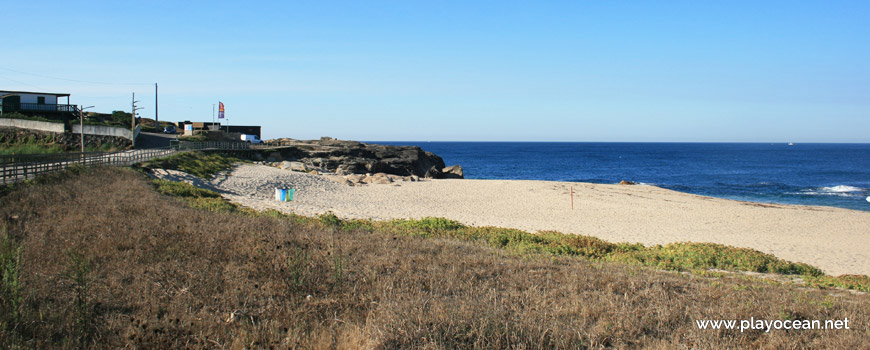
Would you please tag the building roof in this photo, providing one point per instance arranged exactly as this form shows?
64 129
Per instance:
6 92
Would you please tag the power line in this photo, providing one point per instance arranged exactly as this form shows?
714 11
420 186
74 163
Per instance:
21 82
73 80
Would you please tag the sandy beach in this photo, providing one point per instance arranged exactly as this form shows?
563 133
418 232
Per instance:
835 240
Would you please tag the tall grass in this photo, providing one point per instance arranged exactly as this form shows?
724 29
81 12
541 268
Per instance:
130 267
32 149
10 283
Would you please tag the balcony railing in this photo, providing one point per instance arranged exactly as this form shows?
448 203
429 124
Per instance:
41 107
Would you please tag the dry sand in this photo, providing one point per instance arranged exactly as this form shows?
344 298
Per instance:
835 240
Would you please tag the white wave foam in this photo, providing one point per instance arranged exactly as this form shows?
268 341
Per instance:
839 191
823 193
842 189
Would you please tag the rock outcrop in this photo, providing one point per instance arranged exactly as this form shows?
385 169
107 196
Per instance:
453 172
339 157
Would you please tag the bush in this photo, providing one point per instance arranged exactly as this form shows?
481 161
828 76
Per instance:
195 197
121 118
182 189
856 282
687 256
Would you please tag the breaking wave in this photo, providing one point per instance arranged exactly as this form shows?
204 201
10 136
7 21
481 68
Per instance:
839 190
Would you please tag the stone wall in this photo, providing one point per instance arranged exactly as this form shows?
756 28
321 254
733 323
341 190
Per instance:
18 136
32 124
103 131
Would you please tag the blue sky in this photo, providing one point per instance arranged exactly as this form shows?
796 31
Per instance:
509 71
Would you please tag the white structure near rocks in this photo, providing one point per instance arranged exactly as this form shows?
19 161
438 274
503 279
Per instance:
31 101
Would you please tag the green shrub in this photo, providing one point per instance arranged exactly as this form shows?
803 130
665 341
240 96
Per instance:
198 198
425 226
856 282
329 219
183 189
217 205
121 118
688 256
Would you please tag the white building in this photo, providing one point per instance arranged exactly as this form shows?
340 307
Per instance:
30 102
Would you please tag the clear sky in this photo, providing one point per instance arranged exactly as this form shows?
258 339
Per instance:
462 70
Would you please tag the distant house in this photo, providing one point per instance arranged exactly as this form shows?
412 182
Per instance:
44 104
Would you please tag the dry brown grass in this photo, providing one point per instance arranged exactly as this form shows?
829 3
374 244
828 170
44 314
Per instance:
107 262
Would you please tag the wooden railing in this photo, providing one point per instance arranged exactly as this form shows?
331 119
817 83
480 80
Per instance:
42 107
16 168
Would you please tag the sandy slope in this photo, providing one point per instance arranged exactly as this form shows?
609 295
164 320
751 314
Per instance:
836 240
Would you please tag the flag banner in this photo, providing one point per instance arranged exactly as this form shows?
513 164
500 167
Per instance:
220 110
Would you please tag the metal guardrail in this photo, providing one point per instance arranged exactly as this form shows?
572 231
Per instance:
15 168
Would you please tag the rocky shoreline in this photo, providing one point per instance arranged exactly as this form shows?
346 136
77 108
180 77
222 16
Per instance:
357 162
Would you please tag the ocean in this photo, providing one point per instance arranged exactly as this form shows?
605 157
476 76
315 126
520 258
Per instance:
836 175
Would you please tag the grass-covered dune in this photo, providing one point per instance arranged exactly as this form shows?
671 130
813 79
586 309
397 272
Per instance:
106 259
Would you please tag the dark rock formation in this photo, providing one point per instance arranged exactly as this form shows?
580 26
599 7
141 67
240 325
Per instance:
624 182
352 157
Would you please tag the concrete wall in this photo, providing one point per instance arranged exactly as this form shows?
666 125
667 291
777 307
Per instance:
33 124
103 130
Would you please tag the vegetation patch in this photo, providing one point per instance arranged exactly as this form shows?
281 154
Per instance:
32 149
194 196
195 163
17 115
688 256
856 282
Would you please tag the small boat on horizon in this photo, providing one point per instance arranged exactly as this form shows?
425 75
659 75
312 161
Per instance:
791 144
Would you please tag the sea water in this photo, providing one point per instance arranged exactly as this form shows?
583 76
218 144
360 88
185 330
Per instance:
835 175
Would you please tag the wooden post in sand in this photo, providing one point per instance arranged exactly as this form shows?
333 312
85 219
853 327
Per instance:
572 197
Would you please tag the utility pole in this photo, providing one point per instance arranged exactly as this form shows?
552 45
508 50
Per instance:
82 109
156 121
82 125
133 121
212 114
